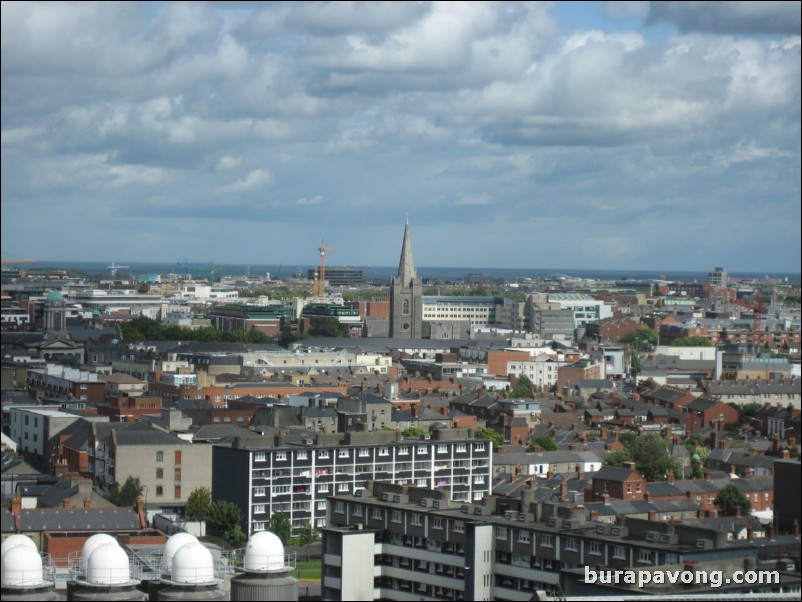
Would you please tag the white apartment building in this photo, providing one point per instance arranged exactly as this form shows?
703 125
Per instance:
476 310
541 370
586 309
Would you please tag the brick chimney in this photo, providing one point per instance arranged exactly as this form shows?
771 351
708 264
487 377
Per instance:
66 503
563 489
87 502
16 503
594 515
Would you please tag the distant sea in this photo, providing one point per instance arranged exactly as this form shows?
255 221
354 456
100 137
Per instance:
383 273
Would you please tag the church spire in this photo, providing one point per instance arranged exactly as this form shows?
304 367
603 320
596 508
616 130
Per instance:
406 266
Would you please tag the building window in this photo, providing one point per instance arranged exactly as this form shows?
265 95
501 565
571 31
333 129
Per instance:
395 516
301 455
324 488
343 453
595 548
159 473
644 555
259 509
282 455
339 507
423 450
403 451
442 449
364 452
384 451
437 523
523 536
459 526
501 533
415 520
260 456
159 456
258 491
405 307
480 447
323 454
461 447
159 491
571 544
547 541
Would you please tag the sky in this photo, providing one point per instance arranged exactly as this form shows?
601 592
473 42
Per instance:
576 135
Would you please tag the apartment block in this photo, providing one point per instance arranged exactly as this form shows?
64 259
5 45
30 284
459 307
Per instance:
265 475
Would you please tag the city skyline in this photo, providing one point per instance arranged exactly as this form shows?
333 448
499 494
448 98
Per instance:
598 136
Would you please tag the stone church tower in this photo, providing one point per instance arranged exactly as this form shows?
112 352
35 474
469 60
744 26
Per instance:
406 291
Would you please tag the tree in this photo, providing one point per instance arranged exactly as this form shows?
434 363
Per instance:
650 454
308 535
127 494
692 342
641 338
731 499
224 516
327 327
489 434
235 537
545 443
523 388
280 525
198 502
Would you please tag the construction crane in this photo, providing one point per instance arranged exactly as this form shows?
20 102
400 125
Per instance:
114 268
758 309
321 281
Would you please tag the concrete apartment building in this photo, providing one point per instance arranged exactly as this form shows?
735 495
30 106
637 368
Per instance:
405 543
31 427
61 382
263 475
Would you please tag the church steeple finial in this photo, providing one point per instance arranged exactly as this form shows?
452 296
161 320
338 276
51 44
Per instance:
406 266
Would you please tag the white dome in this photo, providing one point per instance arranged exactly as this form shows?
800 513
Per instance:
193 564
173 544
264 552
108 565
16 540
92 544
21 566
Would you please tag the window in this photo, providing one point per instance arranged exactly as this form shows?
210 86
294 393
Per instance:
595 548
547 541
282 455
461 447
343 453
395 516
364 452
644 555
437 523
384 451
523 536
259 509
321 504
342 487
442 449
571 544
159 473
479 447
405 307
258 491
159 456
323 454
619 552
159 490
501 533
301 455
323 488
459 526
415 520
403 451
423 450
339 507
357 511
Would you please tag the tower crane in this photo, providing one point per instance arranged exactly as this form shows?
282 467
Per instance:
321 287
758 309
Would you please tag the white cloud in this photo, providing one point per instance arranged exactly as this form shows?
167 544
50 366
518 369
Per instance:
255 179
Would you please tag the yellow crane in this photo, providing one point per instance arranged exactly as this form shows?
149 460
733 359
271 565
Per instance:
321 285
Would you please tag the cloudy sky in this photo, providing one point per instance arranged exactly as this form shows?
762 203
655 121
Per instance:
597 135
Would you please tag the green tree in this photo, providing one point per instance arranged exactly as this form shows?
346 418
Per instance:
414 432
651 456
641 338
127 494
224 516
327 327
523 388
280 525
731 499
235 537
489 434
308 535
545 442
198 502
694 341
